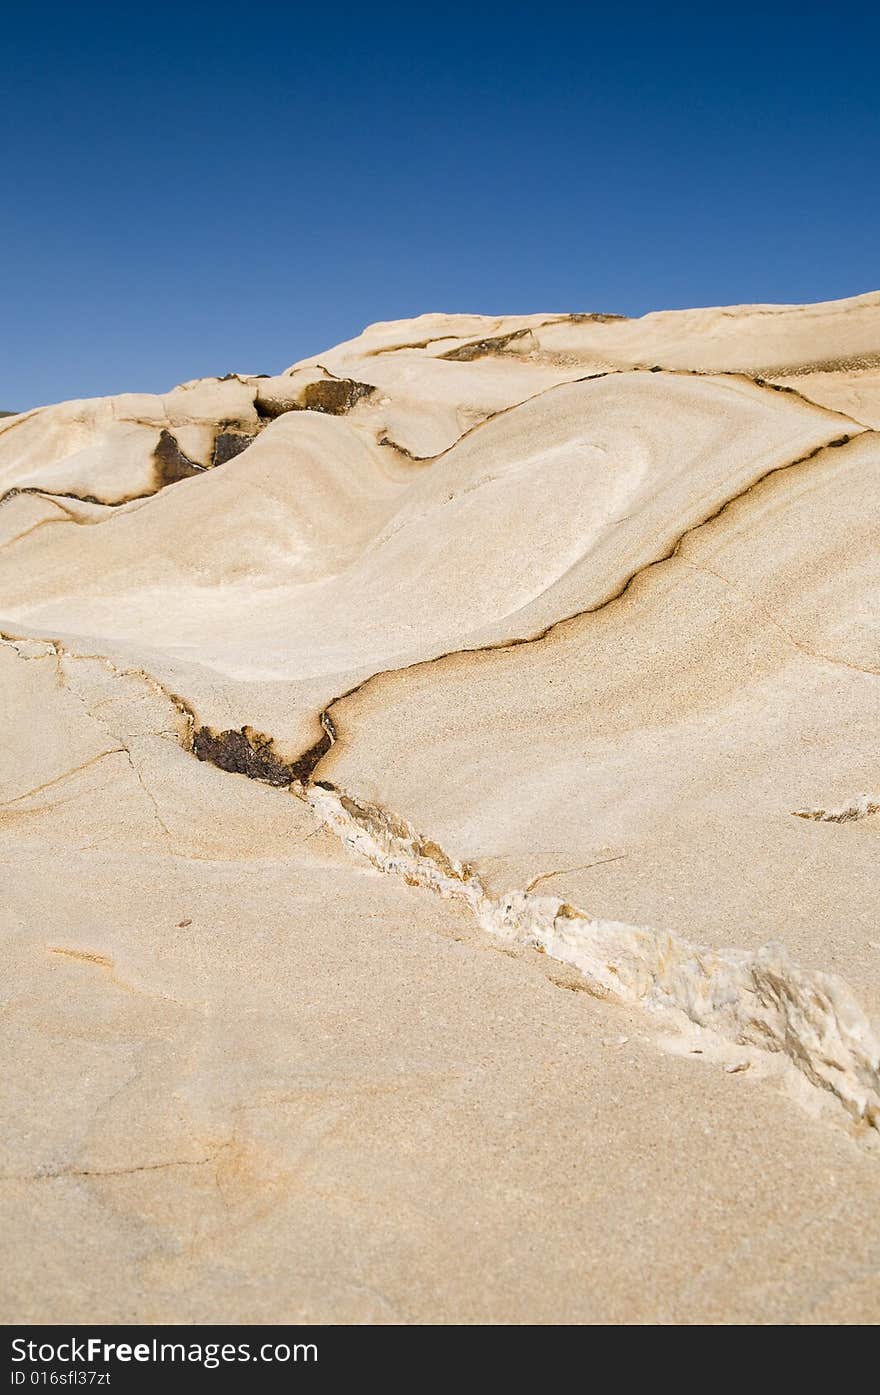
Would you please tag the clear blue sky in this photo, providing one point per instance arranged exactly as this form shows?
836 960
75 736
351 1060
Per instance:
193 189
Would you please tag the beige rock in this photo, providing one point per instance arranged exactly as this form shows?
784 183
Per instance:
536 980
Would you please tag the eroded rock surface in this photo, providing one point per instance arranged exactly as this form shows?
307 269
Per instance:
440 827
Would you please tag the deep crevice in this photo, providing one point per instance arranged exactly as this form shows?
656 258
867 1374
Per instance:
172 464
252 753
758 999
334 396
753 999
485 348
229 444
331 395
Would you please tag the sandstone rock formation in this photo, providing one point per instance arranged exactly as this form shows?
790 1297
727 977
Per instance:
440 824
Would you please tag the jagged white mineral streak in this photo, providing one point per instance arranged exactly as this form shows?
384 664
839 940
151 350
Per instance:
757 998
858 808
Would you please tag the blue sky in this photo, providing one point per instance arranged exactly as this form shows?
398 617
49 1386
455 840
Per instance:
203 188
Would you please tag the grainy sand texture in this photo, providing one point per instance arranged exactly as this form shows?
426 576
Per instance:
439 831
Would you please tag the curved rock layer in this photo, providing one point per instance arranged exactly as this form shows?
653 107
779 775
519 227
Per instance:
571 619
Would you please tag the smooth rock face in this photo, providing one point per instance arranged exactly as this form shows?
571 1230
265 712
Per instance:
439 813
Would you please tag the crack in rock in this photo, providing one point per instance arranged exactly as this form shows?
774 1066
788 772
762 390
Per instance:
332 395
229 444
463 354
76 1173
65 775
54 495
170 466
519 341
249 752
617 595
623 371
523 339
759 999
335 396
171 462
858 808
